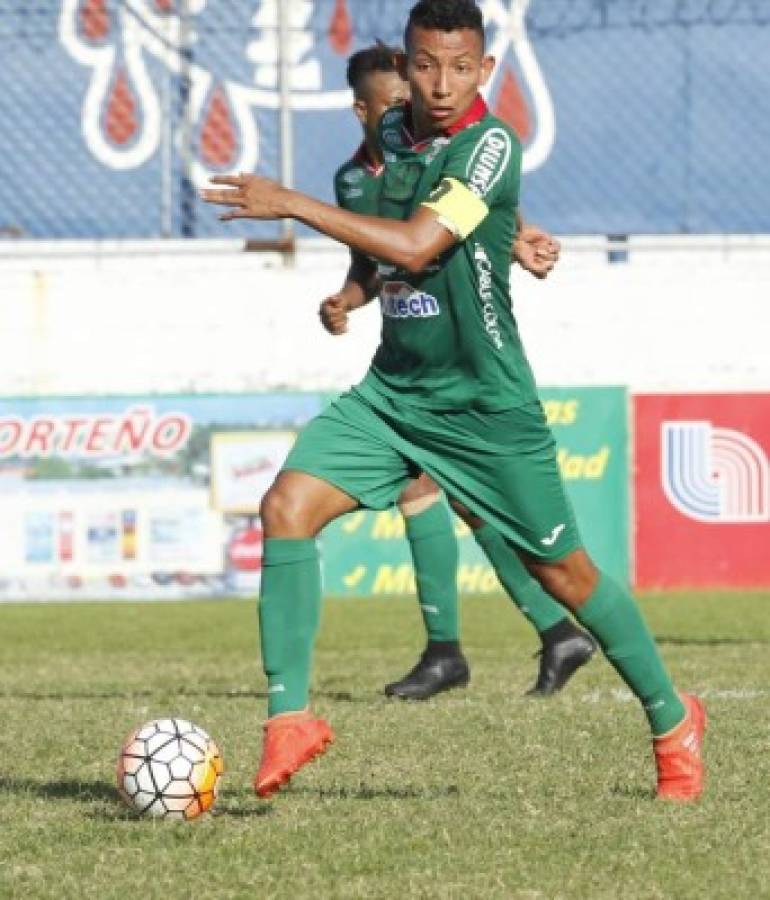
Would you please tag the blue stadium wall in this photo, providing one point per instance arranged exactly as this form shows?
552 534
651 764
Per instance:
635 117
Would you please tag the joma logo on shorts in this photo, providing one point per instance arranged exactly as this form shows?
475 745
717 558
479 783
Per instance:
400 300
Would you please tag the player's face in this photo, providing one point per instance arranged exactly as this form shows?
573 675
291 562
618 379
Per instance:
381 91
445 71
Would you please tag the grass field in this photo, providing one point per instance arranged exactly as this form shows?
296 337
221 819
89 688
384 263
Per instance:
478 793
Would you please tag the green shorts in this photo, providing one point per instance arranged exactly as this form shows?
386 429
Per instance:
501 465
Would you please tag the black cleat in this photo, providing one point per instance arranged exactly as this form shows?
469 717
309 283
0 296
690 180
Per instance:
559 660
432 674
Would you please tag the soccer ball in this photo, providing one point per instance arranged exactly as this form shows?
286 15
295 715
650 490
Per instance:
169 768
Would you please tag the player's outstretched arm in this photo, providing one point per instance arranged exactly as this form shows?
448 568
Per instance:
361 285
410 245
535 250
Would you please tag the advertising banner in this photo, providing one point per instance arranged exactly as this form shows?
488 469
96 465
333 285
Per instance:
702 490
159 496
151 496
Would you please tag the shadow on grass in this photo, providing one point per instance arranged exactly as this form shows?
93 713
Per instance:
386 792
117 811
221 810
632 793
231 811
709 642
84 791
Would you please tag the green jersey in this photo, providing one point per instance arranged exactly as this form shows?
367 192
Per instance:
449 338
357 184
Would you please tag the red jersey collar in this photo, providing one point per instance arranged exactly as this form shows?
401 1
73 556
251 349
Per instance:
475 113
362 156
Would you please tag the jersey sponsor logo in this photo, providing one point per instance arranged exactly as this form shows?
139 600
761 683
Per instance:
488 161
399 300
714 475
393 137
392 116
488 312
353 176
353 193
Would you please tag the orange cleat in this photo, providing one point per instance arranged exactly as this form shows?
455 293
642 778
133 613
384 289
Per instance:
291 741
678 755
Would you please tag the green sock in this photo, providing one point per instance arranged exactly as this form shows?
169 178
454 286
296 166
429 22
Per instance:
538 606
289 613
614 619
435 556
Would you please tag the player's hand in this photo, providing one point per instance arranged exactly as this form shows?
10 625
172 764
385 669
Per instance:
334 314
536 250
250 196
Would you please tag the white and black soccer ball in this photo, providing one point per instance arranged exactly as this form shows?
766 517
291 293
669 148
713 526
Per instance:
169 768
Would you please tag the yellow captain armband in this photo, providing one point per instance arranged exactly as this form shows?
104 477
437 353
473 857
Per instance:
459 210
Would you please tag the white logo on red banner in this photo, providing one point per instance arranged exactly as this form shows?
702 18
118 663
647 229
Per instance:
714 475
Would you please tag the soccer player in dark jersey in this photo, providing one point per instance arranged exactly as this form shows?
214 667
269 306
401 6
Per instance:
449 392
373 75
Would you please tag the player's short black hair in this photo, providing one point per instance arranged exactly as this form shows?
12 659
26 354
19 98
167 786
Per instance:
445 15
377 58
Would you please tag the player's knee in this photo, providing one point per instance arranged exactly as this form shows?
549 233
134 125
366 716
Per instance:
281 511
418 496
570 580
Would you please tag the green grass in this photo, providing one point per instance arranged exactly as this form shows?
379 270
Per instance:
476 794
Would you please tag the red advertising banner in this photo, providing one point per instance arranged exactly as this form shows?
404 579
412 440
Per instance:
702 490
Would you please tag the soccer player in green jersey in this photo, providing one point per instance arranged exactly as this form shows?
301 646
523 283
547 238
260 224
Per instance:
449 392
377 84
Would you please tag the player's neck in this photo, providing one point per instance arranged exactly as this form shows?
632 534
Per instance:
373 150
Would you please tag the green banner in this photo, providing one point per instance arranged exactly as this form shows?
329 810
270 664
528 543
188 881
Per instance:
366 554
